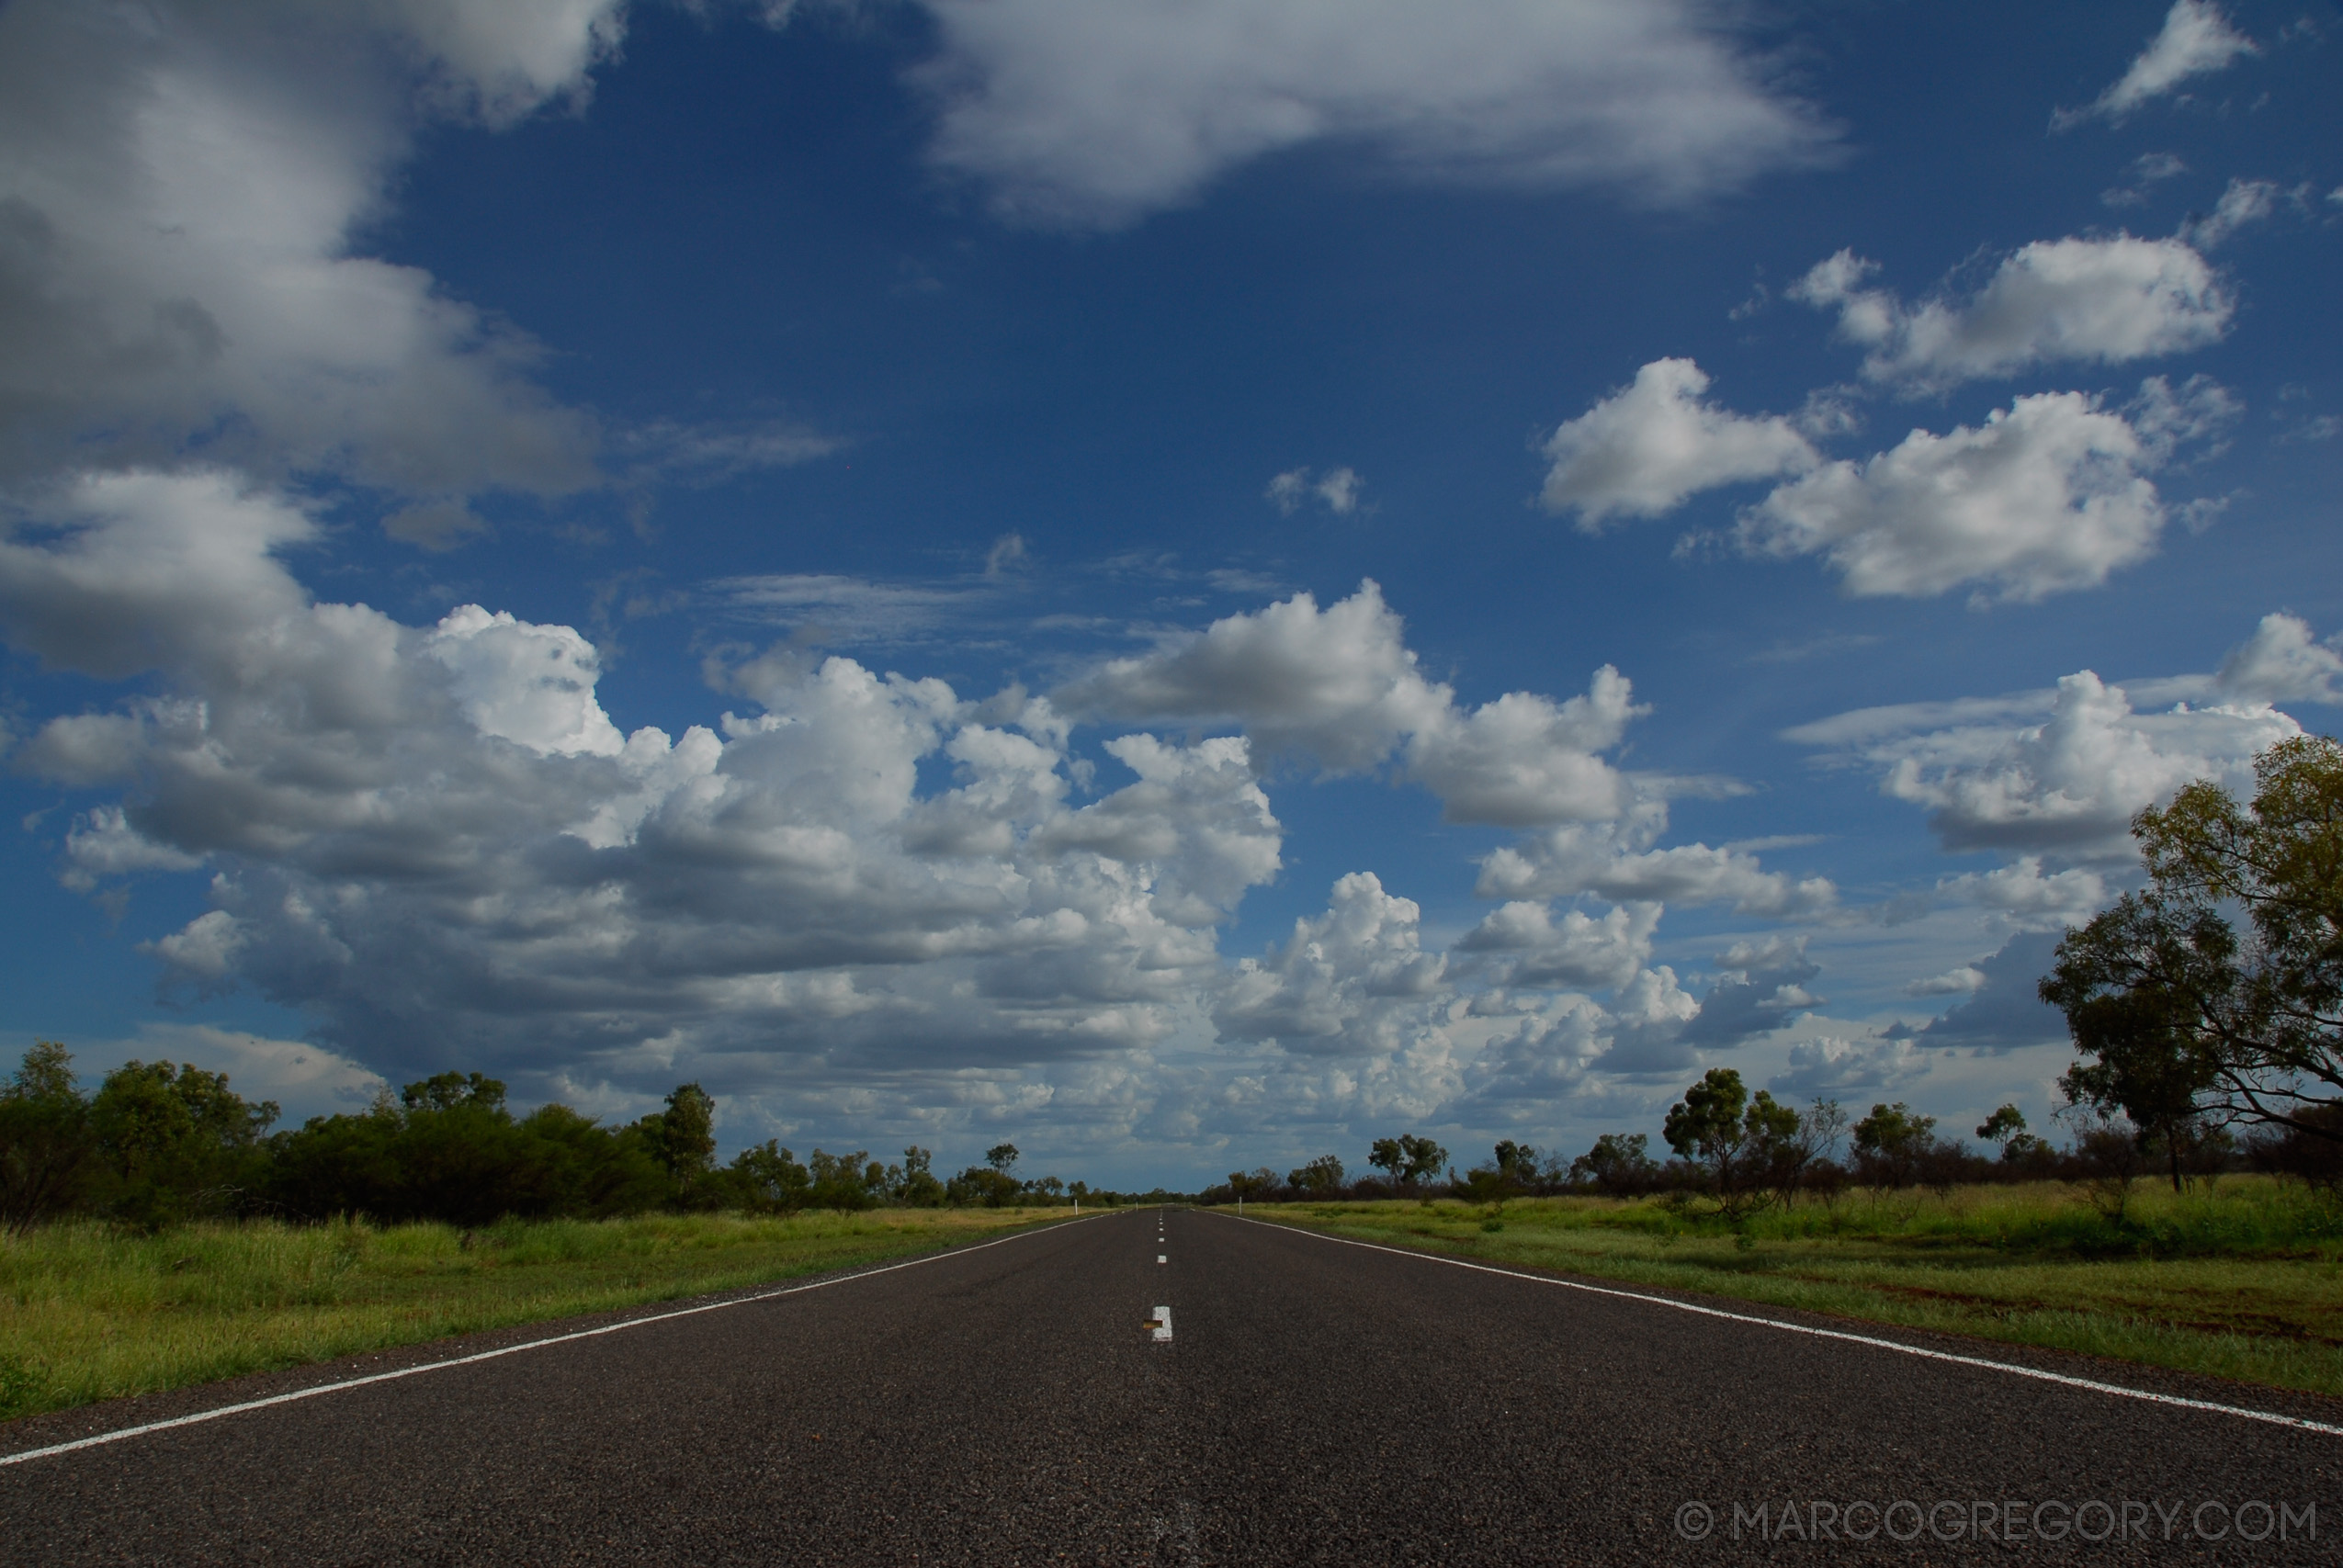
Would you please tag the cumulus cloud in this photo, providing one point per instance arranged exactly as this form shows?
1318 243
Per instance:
434 840
1646 449
2046 496
1954 982
1529 946
2281 663
2062 771
2103 302
2030 897
2073 782
1352 981
2196 40
869 893
180 187
1618 862
1340 686
1093 115
1829 1066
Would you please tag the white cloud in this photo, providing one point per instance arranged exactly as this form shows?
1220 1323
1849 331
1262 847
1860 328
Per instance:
1530 947
432 841
2046 496
1338 490
1617 862
527 683
2031 898
158 571
1643 450
2281 663
180 190
1340 686
1829 1066
304 1078
2067 785
1957 982
1525 760
1093 115
2244 202
1352 981
2098 301
103 843
2196 40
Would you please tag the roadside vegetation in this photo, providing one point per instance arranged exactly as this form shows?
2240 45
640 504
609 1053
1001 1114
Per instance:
161 1231
2239 1278
2193 1219
92 1310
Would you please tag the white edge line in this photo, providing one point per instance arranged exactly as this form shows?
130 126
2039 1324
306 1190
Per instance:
138 1431
2272 1416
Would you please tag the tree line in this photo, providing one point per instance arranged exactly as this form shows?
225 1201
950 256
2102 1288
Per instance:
159 1144
1739 1153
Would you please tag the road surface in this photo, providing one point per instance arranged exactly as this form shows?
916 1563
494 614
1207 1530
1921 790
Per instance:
1297 1400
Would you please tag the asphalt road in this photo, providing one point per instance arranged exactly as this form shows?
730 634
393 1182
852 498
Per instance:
1315 1401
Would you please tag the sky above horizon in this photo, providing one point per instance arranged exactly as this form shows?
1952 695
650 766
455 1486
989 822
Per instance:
1186 583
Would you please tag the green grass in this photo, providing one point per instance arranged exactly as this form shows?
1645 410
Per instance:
2244 1281
88 1312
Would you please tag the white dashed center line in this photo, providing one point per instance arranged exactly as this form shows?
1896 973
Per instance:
1163 1324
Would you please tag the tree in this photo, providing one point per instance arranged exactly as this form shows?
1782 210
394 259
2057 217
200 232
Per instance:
2179 1020
1618 1165
45 1144
1517 1164
1747 1147
917 1186
1002 1157
681 1138
1892 1143
447 1091
175 1141
767 1175
1318 1178
983 1184
1408 1158
1252 1183
2006 1127
2005 1122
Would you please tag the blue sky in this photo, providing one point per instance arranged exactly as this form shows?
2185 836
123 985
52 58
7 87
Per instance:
1185 585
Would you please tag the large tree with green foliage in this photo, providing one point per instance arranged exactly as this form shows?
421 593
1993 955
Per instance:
1409 1157
1747 1145
2180 1018
175 1141
45 1144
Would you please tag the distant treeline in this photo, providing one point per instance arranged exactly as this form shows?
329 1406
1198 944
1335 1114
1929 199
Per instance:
1741 1153
158 1143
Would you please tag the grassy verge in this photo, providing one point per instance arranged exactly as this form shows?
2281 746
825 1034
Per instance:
90 1312
2244 1281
